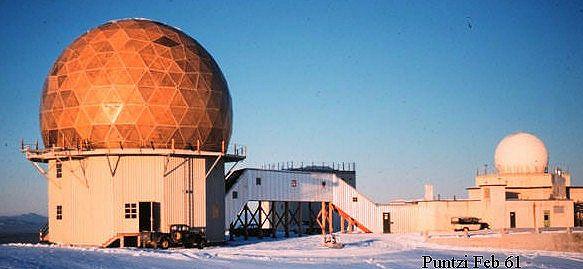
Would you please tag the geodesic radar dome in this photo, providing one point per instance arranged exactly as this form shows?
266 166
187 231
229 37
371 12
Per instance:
136 83
521 153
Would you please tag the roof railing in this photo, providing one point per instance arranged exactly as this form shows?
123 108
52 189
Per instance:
86 145
487 170
311 166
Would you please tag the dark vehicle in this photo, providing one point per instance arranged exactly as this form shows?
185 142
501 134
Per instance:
188 236
468 224
180 235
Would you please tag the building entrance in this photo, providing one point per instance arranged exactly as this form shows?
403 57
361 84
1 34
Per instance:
578 208
387 222
149 216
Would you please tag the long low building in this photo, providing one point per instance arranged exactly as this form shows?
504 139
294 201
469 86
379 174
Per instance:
521 193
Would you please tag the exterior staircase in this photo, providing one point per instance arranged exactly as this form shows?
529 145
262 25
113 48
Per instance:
43 233
353 205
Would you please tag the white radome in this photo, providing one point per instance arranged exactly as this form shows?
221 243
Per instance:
521 153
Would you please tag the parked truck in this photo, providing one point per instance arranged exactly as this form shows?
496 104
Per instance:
180 235
467 224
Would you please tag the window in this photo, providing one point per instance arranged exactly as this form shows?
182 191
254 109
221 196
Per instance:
511 195
235 195
131 211
59 212
294 183
355 199
59 169
323 183
258 181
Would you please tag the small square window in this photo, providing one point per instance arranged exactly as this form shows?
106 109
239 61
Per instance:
131 211
235 195
294 183
59 169
258 181
59 212
355 199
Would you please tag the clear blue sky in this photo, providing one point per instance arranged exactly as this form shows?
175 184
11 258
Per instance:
413 92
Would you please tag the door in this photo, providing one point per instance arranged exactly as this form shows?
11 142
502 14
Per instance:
156 216
578 208
512 220
149 216
387 222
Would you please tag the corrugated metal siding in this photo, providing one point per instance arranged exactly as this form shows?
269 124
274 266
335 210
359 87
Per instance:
215 201
87 219
56 197
175 196
138 179
234 206
404 217
94 201
277 186
199 193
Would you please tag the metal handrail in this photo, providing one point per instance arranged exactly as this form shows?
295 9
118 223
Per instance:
43 231
299 166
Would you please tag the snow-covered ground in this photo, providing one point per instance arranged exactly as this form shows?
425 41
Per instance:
360 251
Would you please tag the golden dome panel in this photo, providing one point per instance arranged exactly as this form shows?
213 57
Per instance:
135 83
